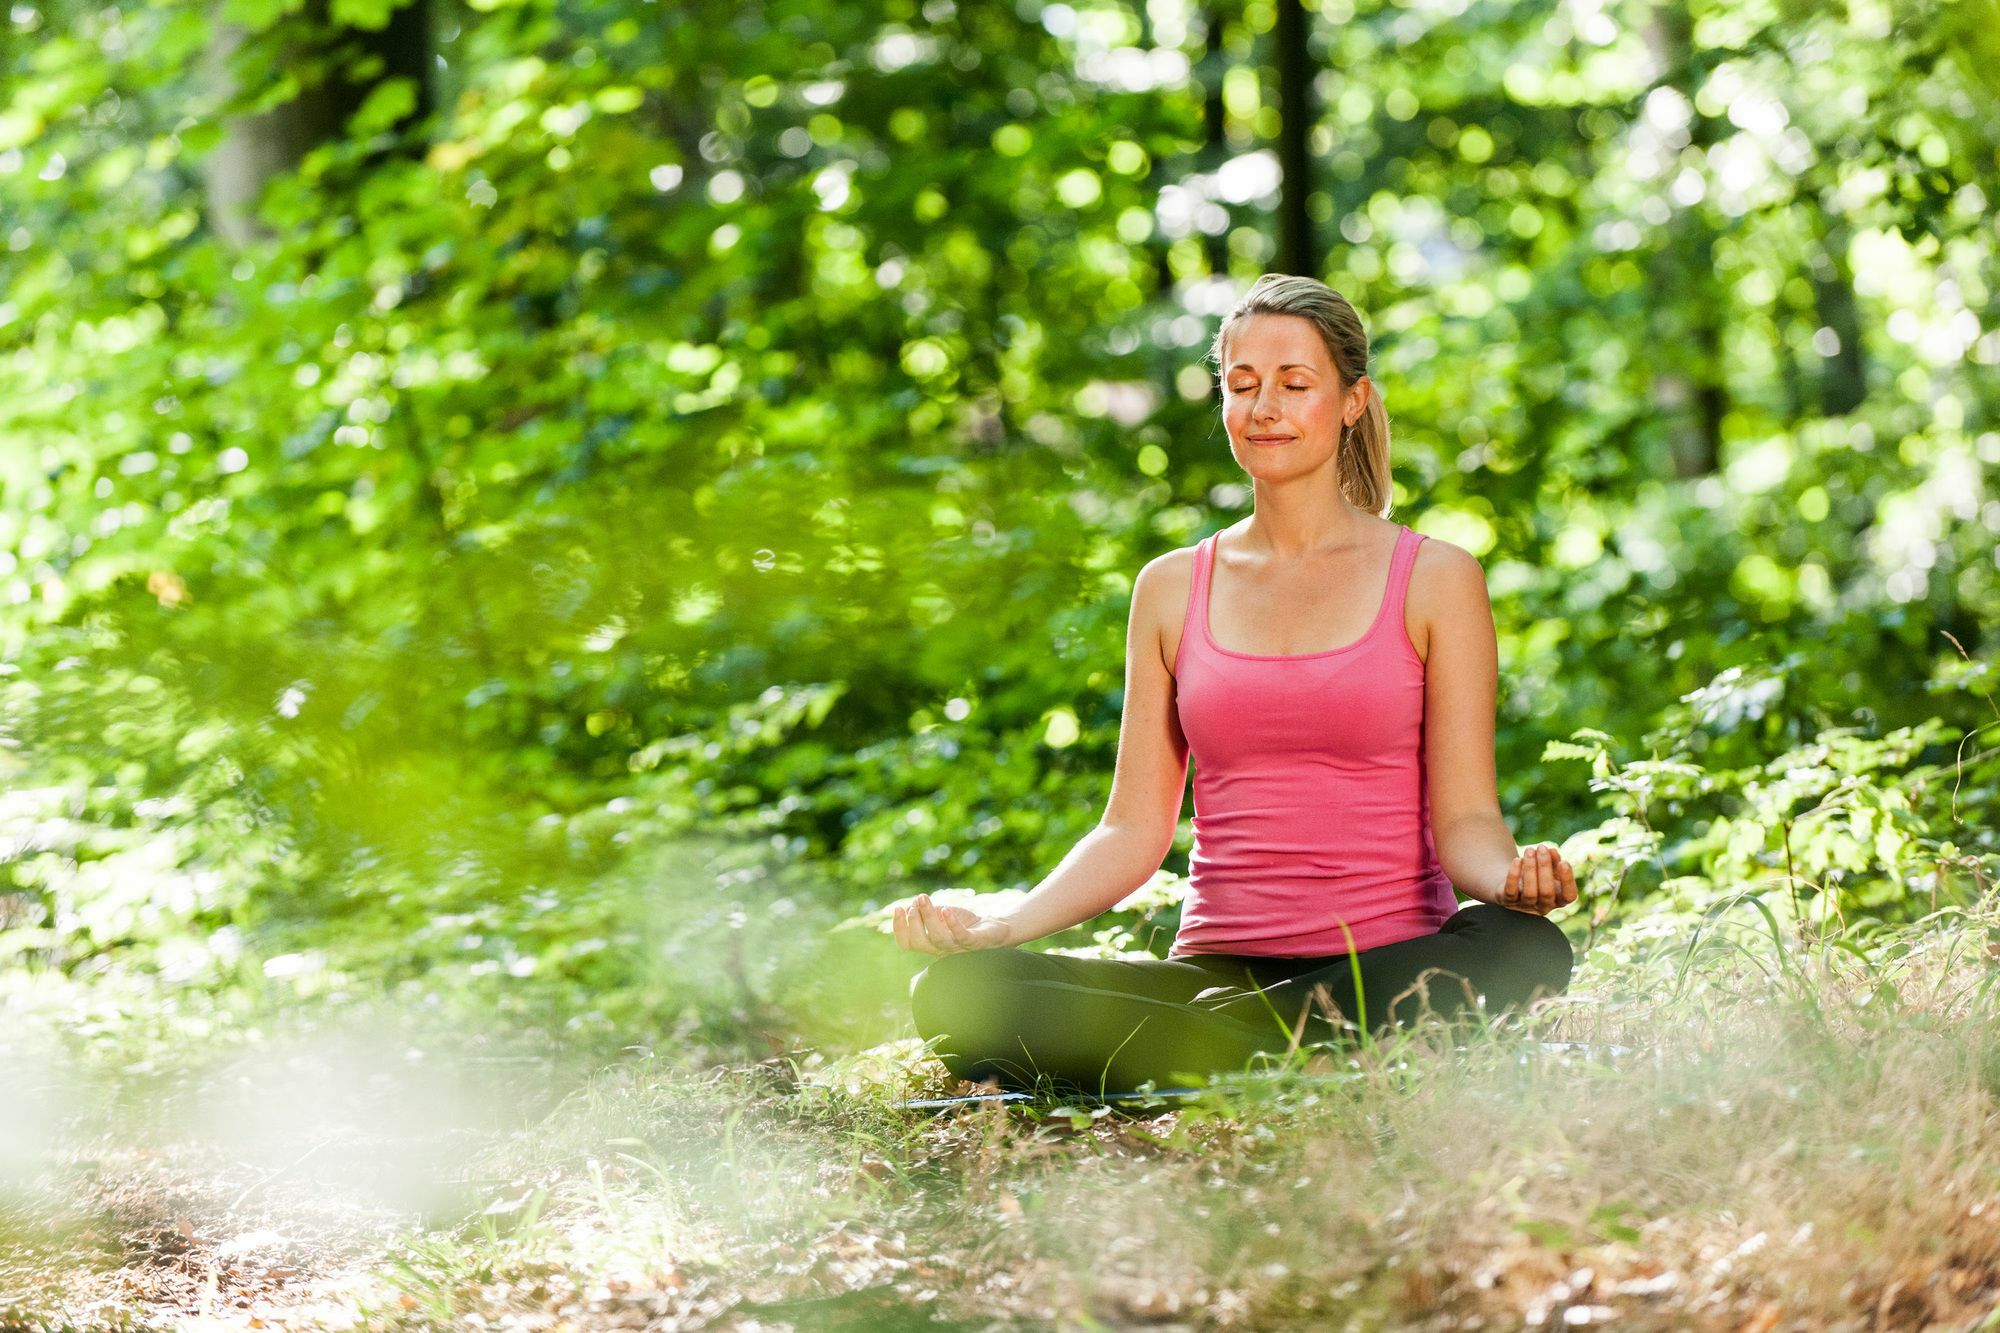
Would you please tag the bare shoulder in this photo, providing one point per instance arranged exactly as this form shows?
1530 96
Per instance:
1166 569
1159 600
1447 585
1447 566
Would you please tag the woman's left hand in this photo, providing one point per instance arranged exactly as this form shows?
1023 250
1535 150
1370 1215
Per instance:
1539 881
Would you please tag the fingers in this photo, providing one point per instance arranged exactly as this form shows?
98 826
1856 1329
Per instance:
938 935
1523 882
906 927
911 931
927 920
923 926
1538 880
1560 878
1547 880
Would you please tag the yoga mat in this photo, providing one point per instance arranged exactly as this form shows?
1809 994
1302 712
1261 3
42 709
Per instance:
1189 1094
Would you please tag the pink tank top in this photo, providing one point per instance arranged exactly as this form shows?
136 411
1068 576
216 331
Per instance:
1310 809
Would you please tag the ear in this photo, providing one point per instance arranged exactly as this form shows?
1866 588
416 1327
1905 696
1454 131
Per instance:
1362 391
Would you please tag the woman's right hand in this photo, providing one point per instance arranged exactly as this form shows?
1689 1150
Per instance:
929 927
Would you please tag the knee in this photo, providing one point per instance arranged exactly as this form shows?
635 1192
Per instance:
956 985
1548 949
1536 944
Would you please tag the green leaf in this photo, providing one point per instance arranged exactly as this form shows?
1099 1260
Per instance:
370 14
253 15
18 126
391 100
618 99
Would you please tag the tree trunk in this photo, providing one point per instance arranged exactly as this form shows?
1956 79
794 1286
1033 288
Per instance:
1214 62
1689 296
257 148
1843 380
1298 251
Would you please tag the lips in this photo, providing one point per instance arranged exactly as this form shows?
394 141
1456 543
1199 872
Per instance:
1270 439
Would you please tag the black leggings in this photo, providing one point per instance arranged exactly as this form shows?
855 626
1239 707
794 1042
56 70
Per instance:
1111 1024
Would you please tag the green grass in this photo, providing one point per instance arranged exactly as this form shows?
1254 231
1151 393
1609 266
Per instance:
1804 1136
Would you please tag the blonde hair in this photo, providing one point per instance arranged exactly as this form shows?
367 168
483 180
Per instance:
1362 460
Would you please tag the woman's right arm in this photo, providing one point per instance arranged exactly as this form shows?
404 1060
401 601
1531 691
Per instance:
1136 831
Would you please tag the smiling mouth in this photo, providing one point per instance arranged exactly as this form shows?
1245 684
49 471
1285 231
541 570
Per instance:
1269 439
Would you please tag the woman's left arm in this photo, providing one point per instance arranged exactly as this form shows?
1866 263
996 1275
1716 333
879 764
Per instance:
1461 690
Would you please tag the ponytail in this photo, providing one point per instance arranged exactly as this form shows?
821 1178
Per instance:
1364 458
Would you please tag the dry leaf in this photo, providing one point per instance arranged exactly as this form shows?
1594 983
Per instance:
1763 1318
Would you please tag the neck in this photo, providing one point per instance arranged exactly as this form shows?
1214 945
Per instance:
1292 523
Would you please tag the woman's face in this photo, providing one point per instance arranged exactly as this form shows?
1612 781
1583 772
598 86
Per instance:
1282 400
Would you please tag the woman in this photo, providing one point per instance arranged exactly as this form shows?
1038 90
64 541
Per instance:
1344 795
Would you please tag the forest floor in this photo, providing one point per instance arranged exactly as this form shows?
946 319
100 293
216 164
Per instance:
1796 1137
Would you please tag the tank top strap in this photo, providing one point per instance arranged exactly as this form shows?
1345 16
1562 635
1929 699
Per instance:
1204 557
1197 603
1400 565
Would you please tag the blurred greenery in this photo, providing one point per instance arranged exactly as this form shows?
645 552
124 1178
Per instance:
457 459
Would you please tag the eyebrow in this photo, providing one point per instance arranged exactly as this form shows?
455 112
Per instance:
1290 365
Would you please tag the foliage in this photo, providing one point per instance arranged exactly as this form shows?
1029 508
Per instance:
747 423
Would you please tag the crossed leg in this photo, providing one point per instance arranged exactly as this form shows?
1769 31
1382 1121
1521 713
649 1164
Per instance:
1482 954
1091 1024
1111 1024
